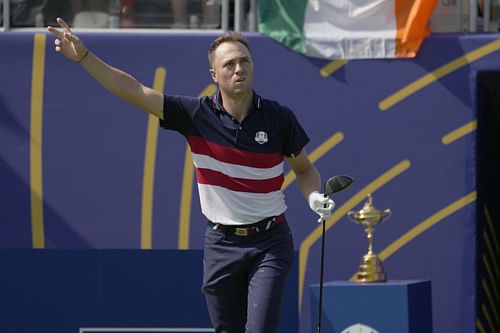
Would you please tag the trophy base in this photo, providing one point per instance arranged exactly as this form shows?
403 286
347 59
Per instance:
370 270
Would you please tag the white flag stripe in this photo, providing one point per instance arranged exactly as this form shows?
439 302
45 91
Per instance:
344 29
237 171
224 206
348 29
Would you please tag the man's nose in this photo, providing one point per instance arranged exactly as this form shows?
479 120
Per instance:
239 68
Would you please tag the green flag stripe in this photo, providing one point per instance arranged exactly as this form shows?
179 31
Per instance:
284 23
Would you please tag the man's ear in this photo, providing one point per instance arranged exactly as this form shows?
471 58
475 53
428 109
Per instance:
213 75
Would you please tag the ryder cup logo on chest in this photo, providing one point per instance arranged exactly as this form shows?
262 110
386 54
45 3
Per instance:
261 137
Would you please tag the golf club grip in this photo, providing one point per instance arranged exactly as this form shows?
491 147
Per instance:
324 206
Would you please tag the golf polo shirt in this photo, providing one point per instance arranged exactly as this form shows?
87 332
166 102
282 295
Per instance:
239 166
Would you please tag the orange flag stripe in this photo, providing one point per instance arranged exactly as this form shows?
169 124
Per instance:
412 17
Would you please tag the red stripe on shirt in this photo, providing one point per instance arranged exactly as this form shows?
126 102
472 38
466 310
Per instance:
233 155
216 178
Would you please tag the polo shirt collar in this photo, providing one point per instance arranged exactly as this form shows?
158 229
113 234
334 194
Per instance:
217 102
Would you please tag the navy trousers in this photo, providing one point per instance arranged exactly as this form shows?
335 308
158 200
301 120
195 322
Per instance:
245 277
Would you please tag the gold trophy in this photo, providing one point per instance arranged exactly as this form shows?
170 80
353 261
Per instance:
370 269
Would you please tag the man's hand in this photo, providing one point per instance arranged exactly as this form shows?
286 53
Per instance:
67 43
321 205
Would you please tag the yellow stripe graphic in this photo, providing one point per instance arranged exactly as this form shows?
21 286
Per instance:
459 132
480 326
426 224
491 230
309 241
332 67
489 251
187 187
439 73
186 199
487 266
486 314
489 247
324 148
490 298
37 77
149 168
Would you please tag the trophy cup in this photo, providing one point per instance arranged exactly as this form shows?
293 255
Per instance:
370 269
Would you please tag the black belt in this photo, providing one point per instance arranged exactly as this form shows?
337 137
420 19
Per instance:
250 229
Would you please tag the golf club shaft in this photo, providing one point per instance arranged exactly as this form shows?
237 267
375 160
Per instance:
321 270
333 185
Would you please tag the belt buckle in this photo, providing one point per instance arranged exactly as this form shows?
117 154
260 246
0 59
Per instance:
241 232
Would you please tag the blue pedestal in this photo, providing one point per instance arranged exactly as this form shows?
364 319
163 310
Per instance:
391 307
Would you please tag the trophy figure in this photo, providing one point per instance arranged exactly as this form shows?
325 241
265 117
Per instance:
370 269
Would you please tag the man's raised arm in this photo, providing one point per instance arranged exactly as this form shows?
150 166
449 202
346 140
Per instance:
116 81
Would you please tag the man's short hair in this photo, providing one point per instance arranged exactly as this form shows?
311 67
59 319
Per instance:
231 36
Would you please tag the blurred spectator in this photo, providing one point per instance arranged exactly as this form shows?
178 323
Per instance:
90 5
23 12
127 17
91 13
493 18
37 13
153 13
178 14
211 14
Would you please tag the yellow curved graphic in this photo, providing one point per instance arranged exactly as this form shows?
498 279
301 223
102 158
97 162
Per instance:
309 241
36 122
491 251
317 153
487 316
149 168
186 199
491 231
187 187
459 132
435 75
491 276
491 302
332 67
480 326
426 224
489 248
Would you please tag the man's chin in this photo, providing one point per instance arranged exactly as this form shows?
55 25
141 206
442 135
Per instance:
241 91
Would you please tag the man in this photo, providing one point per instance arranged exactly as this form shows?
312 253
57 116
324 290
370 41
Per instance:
239 142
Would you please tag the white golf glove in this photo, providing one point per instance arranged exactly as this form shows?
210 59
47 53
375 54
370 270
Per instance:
321 205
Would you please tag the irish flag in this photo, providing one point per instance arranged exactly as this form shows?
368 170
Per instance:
348 29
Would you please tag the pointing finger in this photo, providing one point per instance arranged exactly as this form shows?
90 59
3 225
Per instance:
63 24
56 32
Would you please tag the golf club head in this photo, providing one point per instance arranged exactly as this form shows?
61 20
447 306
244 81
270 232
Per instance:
337 184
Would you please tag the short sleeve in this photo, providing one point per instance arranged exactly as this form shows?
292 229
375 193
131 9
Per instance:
179 112
296 135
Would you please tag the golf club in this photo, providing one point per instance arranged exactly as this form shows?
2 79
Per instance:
333 185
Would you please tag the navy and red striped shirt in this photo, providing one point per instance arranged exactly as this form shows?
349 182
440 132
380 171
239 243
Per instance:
239 166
